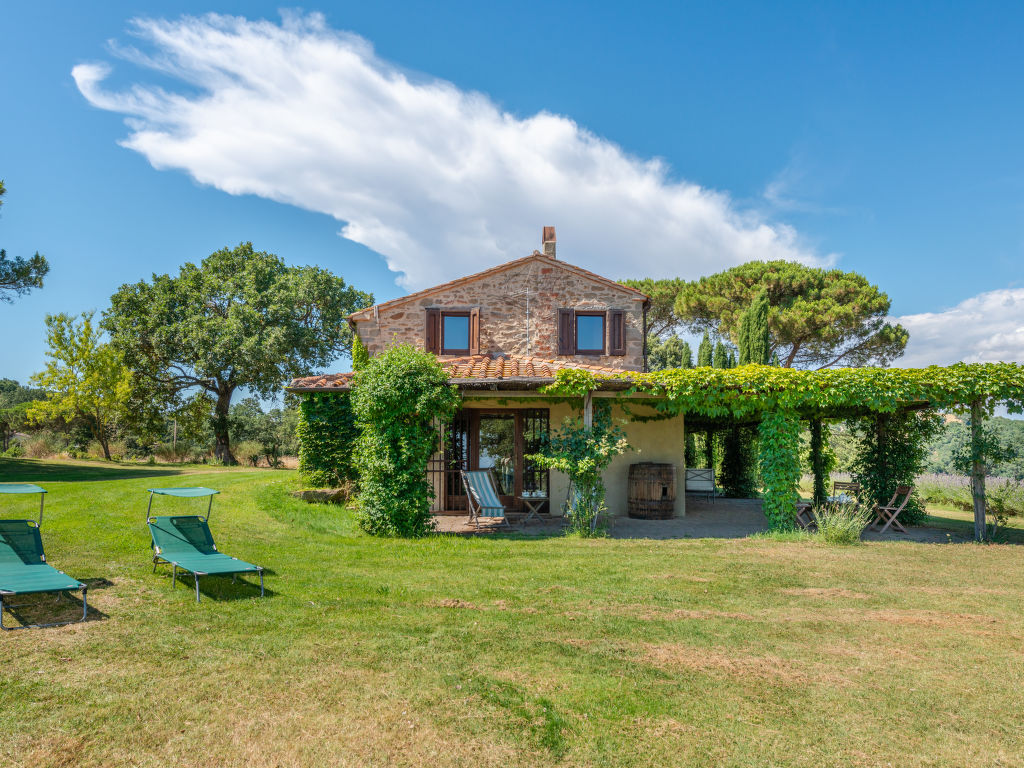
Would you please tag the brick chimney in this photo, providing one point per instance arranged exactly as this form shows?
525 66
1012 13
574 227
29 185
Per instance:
548 239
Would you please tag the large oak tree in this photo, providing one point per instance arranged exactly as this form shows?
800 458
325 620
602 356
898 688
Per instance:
817 318
241 318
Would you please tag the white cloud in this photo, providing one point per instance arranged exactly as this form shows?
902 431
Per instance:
986 328
439 181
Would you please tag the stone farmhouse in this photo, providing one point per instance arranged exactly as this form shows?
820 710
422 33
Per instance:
502 334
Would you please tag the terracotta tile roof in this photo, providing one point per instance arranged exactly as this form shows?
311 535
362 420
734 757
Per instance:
482 368
512 367
548 261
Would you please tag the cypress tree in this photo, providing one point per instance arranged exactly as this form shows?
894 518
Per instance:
721 357
686 356
732 358
754 337
704 352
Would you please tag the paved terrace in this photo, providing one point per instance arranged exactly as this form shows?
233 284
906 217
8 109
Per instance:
723 519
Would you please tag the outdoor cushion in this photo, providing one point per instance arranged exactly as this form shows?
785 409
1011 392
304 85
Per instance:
23 566
186 541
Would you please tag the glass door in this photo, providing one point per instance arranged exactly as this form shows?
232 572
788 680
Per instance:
496 450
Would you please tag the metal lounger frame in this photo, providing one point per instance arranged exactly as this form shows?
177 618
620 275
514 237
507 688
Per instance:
85 609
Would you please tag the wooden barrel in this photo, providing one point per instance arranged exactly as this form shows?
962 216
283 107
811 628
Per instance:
652 490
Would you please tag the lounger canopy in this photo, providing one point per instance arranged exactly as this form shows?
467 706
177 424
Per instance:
187 493
23 566
21 488
185 541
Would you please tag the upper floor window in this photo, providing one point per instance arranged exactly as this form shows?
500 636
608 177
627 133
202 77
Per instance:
591 332
455 333
452 331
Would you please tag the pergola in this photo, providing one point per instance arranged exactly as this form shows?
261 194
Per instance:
778 400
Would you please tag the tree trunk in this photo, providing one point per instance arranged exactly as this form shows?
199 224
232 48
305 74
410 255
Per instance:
977 471
222 442
106 448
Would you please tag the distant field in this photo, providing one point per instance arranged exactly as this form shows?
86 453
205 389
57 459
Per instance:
502 651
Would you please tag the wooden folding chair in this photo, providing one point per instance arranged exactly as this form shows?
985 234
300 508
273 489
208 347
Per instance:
805 515
889 513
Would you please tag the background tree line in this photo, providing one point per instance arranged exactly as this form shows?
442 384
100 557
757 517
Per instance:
159 370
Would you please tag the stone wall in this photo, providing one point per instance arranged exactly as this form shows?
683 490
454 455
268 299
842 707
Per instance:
518 313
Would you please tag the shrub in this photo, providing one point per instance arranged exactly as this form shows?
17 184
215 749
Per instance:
44 444
841 523
399 398
14 450
249 451
583 454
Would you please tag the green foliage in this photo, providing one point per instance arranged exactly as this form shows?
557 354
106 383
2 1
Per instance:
705 352
754 337
661 315
242 318
360 355
84 378
398 399
738 477
949 445
272 431
327 436
779 436
18 276
892 451
15 401
841 524
817 317
583 454
989 444
668 352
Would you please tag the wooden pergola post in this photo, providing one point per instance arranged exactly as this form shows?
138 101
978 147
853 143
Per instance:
978 470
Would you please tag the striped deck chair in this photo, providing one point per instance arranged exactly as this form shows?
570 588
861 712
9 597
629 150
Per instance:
482 496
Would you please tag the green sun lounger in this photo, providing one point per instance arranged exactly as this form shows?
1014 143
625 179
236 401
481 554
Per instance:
23 566
185 541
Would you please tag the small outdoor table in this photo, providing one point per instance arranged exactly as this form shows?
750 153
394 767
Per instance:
533 505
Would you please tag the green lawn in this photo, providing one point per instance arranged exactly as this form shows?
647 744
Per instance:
503 651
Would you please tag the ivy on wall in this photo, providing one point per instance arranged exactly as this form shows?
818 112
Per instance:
327 435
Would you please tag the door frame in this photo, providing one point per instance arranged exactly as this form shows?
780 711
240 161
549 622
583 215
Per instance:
471 418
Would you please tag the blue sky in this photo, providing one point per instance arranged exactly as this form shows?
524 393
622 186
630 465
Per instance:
883 138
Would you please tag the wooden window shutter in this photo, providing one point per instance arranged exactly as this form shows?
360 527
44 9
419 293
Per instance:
566 332
474 331
432 334
616 332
